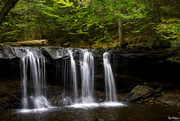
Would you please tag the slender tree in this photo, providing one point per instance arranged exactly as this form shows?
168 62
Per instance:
7 7
120 33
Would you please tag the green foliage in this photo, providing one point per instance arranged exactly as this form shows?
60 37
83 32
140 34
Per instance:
11 27
81 19
66 44
92 21
169 30
65 3
89 20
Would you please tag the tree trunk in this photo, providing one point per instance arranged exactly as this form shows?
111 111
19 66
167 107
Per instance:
120 33
7 7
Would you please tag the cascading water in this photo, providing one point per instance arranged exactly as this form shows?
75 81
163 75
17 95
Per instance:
35 65
65 74
111 95
73 74
87 76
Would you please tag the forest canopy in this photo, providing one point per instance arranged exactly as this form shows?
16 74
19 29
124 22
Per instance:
96 23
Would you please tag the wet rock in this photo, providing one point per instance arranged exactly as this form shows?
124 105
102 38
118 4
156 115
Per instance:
170 97
140 91
151 101
64 101
170 103
7 52
147 100
178 104
98 119
60 100
158 90
57 97
168 100
10 94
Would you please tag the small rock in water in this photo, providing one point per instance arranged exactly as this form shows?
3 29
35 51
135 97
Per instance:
98 119
168 100
170 103
100 100
178 104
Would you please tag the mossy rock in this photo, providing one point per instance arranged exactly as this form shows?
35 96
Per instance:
27 43
140 91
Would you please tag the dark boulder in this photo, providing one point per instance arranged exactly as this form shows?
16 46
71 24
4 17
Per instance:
99 119
140 91
169 100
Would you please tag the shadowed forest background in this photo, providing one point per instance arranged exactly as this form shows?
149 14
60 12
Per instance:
94 23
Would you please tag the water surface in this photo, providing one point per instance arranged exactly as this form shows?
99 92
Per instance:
131 112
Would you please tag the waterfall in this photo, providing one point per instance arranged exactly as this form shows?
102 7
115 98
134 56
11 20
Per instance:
73 74
87 76
111 95
65 70
35 65
57 54
24 81
65 85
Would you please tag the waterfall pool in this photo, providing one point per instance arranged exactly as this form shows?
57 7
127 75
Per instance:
130 112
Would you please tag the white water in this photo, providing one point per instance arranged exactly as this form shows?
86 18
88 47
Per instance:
111 95
73 74
95 105
57 54
87 76
61 52
33 65
65 71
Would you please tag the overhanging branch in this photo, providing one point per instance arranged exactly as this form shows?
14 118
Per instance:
7 7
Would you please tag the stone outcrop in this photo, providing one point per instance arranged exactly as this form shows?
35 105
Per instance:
139 92
10 94
170 97
145 94
130 68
